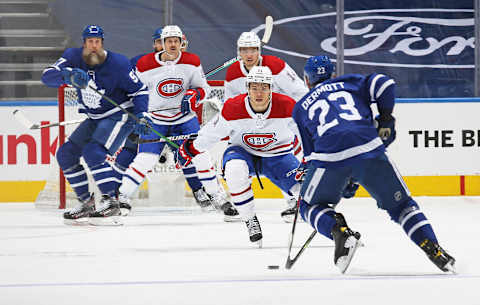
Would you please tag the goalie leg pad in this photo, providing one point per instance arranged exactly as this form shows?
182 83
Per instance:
137 172
239 183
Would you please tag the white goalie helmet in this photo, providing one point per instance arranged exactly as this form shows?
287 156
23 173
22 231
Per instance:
260 74
171 31
248 40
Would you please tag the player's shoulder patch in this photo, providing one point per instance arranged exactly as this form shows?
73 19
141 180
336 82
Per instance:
147 62
282 106
275 64
234 108
234 72
189 59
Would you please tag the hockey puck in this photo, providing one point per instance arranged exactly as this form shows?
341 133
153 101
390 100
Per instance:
273 267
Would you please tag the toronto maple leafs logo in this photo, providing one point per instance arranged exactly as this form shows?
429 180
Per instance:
91 99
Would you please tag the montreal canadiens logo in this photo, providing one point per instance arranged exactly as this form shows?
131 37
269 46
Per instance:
170 87
258 141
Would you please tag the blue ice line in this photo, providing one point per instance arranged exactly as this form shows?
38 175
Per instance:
340 278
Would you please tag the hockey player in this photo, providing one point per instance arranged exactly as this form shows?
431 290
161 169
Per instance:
260 142
285 81
106 127
176 85
129 150
339 108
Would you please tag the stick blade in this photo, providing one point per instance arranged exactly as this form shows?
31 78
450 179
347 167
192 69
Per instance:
288 263
22 119
268 29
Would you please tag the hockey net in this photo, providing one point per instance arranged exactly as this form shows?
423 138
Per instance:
164 187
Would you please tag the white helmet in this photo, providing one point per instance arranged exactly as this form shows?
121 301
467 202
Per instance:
260 74
248 40
171 31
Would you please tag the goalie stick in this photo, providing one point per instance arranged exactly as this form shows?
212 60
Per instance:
289 263
20 117
266 37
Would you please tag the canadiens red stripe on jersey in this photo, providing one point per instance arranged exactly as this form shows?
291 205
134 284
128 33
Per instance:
267 135
167 82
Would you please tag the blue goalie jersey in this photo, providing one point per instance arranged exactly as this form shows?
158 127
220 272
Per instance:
114 78
335 120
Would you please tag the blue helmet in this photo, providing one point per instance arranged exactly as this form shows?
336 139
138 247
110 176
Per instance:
157 34
92 31
318 69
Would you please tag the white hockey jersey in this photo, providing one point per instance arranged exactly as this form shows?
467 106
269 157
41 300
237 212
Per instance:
266 134
167 82
285 80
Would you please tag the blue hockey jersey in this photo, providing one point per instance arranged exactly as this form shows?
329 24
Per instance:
335 120
114 78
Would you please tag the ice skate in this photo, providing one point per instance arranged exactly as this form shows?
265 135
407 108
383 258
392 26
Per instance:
288 215
108 214
203 200
346 243
230 213
79 214
438 256
254 230
124 204
222 205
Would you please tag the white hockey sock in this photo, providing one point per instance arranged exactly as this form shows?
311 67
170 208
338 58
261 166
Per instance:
239 184
137 172
206 172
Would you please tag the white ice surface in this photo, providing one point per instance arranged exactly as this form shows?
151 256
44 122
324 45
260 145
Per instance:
198 259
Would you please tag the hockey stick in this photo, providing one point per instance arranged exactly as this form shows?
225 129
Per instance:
137 140
20 117
289 263
174 145
266 37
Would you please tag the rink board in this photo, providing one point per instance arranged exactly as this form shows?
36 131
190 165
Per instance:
437 148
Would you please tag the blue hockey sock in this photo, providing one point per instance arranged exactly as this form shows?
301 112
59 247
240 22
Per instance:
190 174
413 222
123 160
319 216
77 177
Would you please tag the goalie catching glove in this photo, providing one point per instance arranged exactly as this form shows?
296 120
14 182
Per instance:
190 100
186 152
75 77
386 128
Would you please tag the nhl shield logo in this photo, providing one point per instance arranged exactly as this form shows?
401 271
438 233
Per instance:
258 141
170 87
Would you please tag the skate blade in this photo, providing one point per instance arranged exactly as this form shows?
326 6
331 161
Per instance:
451 267
290 218
76 222
232 218
106 221
258 243
344 262
124 212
